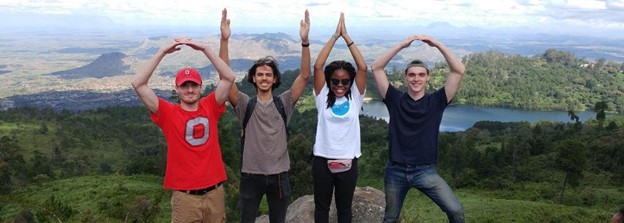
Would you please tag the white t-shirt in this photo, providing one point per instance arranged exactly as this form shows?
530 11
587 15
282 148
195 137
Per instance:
338 127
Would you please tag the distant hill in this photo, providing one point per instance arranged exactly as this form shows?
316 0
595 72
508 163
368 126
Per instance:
86 50
76 100
277 42
2 69
107 65
89 64
244 51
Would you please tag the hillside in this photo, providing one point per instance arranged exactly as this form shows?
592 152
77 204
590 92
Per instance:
107 65
50 73
113 198
99 165
552 81
109 198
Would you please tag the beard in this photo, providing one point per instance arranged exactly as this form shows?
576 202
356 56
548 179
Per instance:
187 99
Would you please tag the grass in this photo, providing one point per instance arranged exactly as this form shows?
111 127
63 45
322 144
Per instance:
513 206
107 199
419 208
90 198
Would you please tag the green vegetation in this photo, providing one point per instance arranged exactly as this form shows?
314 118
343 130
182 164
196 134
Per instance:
106 165
102 198
554 80
501 170
484 208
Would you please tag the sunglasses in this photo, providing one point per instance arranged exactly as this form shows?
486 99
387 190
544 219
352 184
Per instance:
265 61
344 82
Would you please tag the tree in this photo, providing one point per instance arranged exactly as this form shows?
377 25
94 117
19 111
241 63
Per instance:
174 96
600 63
299 147
40 164
612 126
571 159
43 128
600 108
566 59
12 164
575 118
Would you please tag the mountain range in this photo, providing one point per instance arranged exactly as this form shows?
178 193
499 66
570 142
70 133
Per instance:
42 63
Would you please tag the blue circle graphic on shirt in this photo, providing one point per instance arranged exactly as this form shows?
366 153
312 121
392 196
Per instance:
340 109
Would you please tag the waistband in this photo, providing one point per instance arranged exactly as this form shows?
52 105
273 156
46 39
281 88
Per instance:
407 165
264 175
203 190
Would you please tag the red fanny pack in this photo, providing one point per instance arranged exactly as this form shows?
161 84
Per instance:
338 166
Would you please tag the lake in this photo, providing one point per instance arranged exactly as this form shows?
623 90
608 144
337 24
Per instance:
462 117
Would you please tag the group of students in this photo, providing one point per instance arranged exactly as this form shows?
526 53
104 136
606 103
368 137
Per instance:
195 171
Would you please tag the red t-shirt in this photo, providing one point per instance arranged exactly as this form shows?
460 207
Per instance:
193 153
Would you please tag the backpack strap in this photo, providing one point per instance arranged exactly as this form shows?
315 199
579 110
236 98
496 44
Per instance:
251 105
280 108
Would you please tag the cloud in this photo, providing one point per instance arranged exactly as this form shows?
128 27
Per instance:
314 4
617 5
570 14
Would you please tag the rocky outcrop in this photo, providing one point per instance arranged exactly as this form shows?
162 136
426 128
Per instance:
368 206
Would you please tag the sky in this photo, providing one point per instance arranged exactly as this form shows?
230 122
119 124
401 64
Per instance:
565 16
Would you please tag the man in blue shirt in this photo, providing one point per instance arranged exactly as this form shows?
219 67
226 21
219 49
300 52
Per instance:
415 118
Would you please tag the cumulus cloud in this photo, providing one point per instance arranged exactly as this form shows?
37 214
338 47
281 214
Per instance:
324 13
617 5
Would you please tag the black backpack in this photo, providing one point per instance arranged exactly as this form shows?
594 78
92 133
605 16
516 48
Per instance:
251 105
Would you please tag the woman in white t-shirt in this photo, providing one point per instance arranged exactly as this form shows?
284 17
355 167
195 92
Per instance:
339 93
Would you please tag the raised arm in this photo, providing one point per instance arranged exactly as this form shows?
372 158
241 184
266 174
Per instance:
457 67
319 64
224 54
140 79
378 66
299 85
227 76
362 73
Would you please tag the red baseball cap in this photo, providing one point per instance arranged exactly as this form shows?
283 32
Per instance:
187 74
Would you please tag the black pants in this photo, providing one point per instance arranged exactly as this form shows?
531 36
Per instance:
254 186
324 184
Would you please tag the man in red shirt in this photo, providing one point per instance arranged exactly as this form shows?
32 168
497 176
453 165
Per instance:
195 170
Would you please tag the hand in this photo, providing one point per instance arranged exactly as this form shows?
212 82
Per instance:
305 27
428 40
194 45
181 38
343 26
225 26
338 32
172 47
408 41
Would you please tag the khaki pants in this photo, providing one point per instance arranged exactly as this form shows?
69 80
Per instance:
207 208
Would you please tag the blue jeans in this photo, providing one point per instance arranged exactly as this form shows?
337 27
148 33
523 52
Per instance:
254 186
399 178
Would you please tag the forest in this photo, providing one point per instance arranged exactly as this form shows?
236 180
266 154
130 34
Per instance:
106 165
